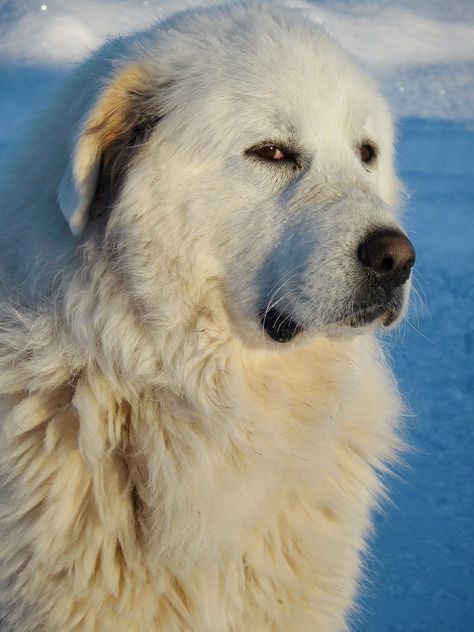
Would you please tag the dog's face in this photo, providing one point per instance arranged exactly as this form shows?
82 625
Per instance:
265 163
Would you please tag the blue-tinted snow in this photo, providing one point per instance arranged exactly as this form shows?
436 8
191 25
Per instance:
422 568
421 572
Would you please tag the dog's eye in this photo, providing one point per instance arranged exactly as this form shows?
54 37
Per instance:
274 153
270 152
367 153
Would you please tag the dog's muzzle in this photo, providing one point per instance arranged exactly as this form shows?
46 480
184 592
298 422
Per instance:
385 259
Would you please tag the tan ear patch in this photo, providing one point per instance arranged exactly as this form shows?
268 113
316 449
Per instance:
117 127
118 123
122 106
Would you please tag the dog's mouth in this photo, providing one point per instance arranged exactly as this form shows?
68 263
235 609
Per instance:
279 326
387 312
282 328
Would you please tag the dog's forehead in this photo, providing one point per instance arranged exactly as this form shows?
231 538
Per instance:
268 73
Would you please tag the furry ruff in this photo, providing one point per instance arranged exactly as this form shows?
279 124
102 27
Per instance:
172 459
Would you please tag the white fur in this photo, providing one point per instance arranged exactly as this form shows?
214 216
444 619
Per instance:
167 466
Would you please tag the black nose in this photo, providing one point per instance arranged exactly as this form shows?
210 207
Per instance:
390 254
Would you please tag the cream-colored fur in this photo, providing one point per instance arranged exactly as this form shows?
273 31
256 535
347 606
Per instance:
166 465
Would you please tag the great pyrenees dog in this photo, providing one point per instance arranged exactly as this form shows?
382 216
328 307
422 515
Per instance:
199 244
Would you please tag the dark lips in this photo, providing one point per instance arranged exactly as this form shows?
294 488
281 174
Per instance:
369 314
279 326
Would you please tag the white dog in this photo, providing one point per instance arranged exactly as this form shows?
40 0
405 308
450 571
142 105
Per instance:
199 242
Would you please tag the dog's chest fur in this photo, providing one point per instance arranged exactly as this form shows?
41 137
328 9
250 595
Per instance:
249 514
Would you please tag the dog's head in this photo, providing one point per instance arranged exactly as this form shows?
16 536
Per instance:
238 161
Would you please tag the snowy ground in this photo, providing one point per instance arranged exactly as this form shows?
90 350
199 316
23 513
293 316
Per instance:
422 570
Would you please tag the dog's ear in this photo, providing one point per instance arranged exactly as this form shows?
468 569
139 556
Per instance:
119 121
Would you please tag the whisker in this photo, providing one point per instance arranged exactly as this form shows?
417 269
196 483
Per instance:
282 281
418 331
270 307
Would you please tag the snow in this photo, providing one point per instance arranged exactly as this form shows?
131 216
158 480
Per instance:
422 567
421 570
421 52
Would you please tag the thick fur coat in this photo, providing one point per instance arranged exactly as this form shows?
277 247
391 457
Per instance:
168 462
